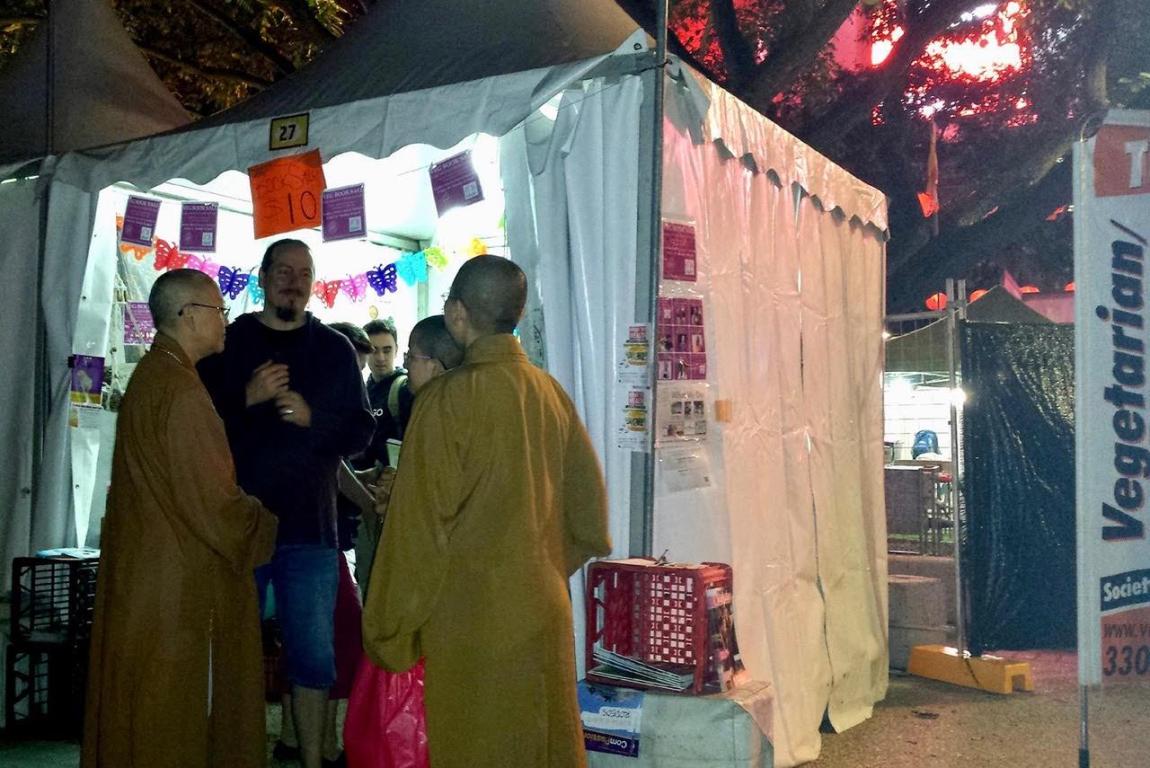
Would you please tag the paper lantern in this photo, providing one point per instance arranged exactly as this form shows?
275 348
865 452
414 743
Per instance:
976 295
1028 289
1069 287
936 302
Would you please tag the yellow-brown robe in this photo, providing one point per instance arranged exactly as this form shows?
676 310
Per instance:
175 594
498 499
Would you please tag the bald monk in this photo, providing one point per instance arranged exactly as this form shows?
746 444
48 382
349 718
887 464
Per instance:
176 668
498 499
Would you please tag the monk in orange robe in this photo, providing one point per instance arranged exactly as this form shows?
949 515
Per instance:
176 673
498 499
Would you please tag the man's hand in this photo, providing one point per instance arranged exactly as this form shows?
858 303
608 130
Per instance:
267 381
382 490
293 408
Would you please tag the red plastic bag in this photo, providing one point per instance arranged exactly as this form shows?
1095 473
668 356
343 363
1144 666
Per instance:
386 726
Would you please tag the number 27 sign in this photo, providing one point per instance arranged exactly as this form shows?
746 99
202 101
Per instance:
286 193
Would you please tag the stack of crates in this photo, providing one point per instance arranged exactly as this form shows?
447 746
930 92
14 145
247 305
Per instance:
53 601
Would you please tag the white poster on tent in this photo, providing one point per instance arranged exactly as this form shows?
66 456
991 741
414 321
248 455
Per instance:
1112 234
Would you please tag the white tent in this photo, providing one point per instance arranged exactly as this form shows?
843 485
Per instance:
79 82
790 271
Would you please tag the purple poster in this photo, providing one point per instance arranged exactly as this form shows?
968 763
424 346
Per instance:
140 221
679 257
87 380
454 182
198 227
138 325
343 213
682 346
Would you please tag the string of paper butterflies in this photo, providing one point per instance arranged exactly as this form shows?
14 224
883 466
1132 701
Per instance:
411 267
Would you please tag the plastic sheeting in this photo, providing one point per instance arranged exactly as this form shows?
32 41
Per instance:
19 253
102 88
1018 444
793 299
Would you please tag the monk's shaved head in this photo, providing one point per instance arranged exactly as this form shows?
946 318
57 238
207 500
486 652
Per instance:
172 290
494 291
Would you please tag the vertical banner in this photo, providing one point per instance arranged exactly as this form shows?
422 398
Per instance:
1112 451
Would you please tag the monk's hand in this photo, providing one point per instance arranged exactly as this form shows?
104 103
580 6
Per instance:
382 490
293 409
267 381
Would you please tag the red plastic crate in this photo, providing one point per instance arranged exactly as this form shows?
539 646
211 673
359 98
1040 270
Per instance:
652 613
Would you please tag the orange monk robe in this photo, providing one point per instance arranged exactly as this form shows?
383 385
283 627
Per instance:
498 499
175 595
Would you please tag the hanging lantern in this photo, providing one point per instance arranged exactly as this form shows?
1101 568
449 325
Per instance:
1028 289
936 302
1069 287
976 295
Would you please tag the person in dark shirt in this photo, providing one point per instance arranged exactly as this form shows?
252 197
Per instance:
290 394
388 392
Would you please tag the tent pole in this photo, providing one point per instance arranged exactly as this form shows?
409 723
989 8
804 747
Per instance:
956 310
655 238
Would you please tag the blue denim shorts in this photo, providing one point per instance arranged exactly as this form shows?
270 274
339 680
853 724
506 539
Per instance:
305 581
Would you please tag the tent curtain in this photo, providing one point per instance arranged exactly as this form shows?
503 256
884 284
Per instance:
20 205
841 264
793 301
571 192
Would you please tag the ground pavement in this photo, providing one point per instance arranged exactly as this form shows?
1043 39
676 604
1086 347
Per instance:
921 724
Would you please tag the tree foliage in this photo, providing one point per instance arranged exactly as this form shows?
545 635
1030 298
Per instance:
1004 140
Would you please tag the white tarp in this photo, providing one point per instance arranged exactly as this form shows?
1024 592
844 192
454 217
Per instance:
793 296
1111 236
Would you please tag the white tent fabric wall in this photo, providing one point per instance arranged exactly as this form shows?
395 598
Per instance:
19 254
841 263
796 500
572 198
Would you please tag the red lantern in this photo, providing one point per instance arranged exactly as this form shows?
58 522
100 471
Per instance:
936 302
976 295
1028 289
1069 287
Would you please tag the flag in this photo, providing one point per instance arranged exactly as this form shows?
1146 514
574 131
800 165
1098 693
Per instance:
928 199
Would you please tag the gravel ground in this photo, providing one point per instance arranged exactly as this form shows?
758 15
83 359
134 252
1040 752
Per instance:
925 724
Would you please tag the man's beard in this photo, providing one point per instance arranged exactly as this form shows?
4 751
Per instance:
287 314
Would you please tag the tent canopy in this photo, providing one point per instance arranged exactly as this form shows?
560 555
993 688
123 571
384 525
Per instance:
101 88
411 45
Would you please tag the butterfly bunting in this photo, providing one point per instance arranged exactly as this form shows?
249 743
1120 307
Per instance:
232 281
355 287
382 279
412 267
168 255
435 257
139 252
254 289
326 291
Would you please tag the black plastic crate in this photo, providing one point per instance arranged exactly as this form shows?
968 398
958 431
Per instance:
53 599
44 690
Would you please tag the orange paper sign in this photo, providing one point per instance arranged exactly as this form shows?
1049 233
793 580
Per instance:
286 193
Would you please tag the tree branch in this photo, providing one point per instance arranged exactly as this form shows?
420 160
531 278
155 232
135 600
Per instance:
849 112
20 21
959 249
796 49
248 36
299 12
737 53
233 76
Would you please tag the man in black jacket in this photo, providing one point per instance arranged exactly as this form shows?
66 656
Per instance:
289 391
